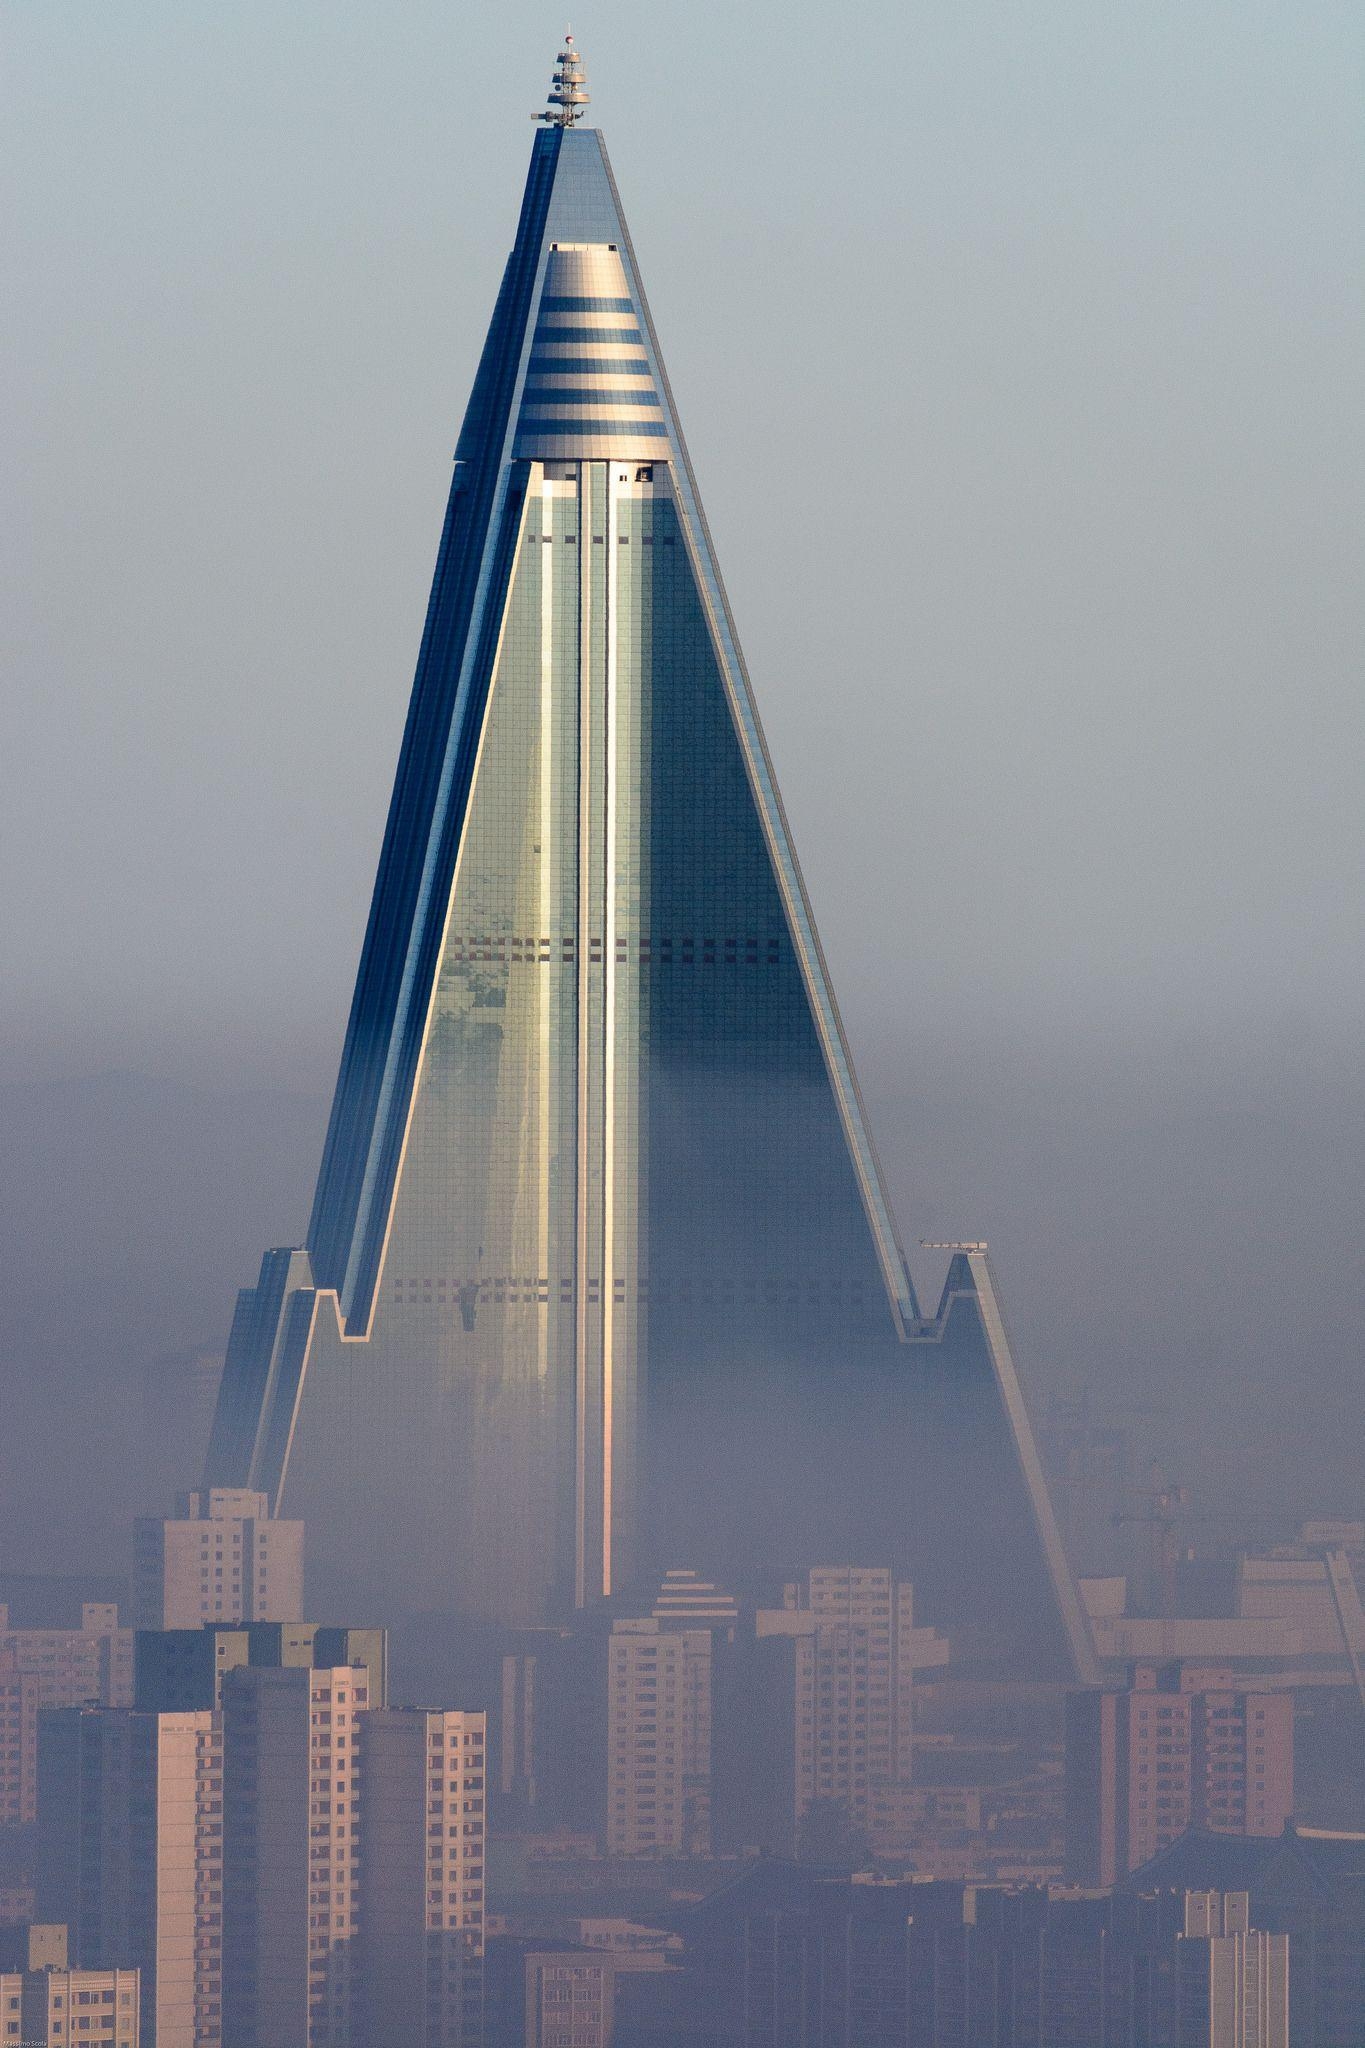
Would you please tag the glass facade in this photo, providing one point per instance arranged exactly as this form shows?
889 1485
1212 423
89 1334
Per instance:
602 1276
624 1162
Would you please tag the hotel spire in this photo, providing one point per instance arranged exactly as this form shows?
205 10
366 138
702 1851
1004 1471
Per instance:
567 97
602 1272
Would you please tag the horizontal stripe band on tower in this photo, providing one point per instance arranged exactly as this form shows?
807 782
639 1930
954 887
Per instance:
557 305
588 366
570 394
588 334
628 430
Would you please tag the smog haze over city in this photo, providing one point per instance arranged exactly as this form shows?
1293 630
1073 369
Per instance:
1018 356
1056 640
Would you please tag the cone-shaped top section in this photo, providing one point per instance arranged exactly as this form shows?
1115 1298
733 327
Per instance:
567 96
571 371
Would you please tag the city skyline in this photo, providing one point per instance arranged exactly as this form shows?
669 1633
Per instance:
626 1598
1099 761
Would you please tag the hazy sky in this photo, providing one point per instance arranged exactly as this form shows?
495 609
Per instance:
1019 351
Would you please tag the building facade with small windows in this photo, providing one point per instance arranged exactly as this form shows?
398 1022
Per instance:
651 1676
422 1878
74 1666
131 1857
1180 1747
221 1559
854 1666
662 1671
291 1901
62 2008
20 1692
297 1870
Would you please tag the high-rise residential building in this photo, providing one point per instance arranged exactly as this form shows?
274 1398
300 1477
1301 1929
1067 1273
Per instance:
221 1558
19 1696
1178 1748
1235 1977
131 1855
180 1670
44 2003
291 1891
353 1865
422 1806
601 1269
850 1683
266 1863
660 1713
74 1666
650 1678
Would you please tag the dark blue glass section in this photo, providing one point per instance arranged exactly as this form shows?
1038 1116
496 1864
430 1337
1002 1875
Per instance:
545 334
394 948
250 1369
763 1280
588 366
578 394
563 305
628 429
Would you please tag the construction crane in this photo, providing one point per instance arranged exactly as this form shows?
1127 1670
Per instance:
1162 1516
1166 1515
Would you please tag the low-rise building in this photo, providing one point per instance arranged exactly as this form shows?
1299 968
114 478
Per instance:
61 2008
1307 1884
785 1955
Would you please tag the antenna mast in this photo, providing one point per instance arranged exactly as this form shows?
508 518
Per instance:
567 97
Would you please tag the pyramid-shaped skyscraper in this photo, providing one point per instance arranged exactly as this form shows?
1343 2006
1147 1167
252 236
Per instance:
601 1274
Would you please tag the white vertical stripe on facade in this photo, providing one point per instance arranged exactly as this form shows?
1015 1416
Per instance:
582 1568
546 883
613 784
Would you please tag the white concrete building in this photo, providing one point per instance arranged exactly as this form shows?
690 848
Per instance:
422 1911
75 1667
131 1850
857 1651
222 1558
291 1894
